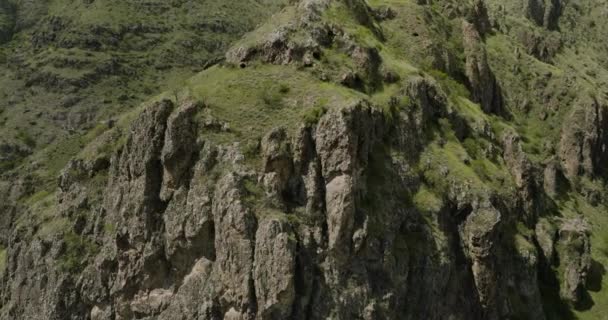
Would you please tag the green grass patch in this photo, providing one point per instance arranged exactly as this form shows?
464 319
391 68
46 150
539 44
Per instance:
238 97
426 200
450 85
109 228
25 137
314 114
3 260
77 251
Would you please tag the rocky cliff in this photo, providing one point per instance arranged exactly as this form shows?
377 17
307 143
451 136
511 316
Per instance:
346 160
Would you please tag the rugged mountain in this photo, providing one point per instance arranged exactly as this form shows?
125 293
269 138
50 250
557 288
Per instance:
348 159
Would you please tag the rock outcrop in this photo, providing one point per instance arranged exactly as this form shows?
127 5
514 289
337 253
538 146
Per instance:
319 229
542 45
480 236
574 250
478 16
484 86
374 192
583 148
178 150
544 13
274 271
279 46
134 207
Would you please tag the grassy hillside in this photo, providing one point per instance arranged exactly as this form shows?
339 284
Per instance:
71 65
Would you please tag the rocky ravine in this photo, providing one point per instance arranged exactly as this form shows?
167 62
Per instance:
362 213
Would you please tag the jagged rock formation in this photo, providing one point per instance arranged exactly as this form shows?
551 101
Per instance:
247 259
544 13
574 248
481 80
484 86
584 139
319 174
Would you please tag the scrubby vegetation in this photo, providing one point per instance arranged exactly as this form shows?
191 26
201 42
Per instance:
72 90
77 250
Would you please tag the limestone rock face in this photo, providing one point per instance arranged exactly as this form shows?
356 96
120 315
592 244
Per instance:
274 269
178 149
480 18
192 299
343 143
189 225
277 163
340 213
134 206
331 236
546 235
37 289
344 139
573 248
397 197
523 172
480 235
277 46
516 159
544 13
484 85
542 45
347 245
583 148
235 227
552 177
135 180
428 103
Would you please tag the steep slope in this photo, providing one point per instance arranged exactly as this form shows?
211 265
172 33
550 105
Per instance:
348 160
70 65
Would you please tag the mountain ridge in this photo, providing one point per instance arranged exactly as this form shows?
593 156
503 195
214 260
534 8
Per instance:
348 159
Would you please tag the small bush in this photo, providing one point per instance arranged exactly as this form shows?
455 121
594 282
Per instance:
8 165
2 259
26 138
396 105
313 115
472 147
252 148
453 87
254 194
271 98
284 89
77 250
109 228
